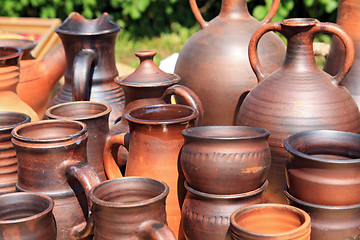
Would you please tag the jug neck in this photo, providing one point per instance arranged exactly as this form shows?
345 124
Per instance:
234 9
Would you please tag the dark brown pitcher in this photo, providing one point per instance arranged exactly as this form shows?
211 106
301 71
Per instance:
52 160
90 62
299 96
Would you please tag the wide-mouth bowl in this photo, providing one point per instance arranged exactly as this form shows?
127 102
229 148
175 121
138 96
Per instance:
9 120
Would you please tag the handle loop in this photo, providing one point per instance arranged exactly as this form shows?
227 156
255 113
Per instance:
155 230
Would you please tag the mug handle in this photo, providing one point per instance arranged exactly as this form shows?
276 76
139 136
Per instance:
83 63
88 178
155 230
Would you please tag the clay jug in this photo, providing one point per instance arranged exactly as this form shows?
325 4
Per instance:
347 17
299 96
90 62
52 160
37 76
9 79
214 61
154 144
8 160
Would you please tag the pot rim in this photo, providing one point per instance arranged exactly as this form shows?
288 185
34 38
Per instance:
25 119
16 52
309 133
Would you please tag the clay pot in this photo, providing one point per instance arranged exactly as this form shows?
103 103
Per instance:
306 98
154 145
52 160
214 61
9 79
90 62
330 222
138 199
37 76
27 216
270 221
324 163
96 117
207 216
8 160
227 155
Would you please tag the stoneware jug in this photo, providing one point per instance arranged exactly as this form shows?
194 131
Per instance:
154 145
299 96
130 208
324 167
215 159
207 216
214 61
52 160
27 216
37 76
9 79
8 160
96 117
90 62
270 221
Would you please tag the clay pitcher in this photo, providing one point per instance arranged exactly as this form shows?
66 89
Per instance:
299 96
52 160
90 62
214 61
37 76
154 144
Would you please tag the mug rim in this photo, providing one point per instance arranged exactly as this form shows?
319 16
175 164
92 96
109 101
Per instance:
26 119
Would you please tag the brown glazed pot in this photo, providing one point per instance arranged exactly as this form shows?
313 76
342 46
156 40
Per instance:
9 79
270 221
52 161
330 222
215 159
8 160
207 216
130 208
96 117
27 216
37 76
299 96
347 17
214 61
324 167
90 62
154 145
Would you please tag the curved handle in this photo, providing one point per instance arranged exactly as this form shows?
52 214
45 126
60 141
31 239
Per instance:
272 11
197 14
88 178
189 96
83 64
155 230
110 150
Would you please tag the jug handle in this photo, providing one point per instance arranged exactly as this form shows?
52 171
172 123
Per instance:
155 230
189 96
88 178
83 64
110 150
272 11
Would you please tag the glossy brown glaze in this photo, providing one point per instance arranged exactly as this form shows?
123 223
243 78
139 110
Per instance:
27 216
96 117
324 163
8 160
299 96
207 216
90 62
154 145
52 161
130 208
214 61
270 221
330 222
215 159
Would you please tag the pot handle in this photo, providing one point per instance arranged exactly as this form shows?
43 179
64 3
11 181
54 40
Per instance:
272 11
110 150
155 230
189 96
197 14
83 63
88 178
